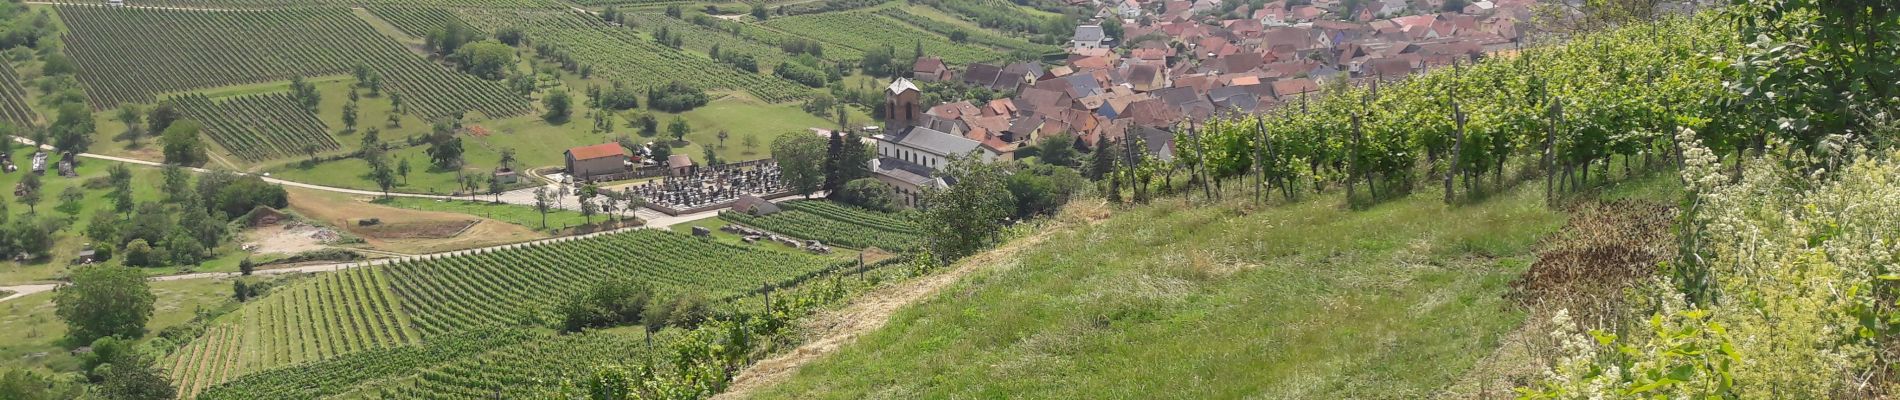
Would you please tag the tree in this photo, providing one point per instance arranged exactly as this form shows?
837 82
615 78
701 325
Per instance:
29 192
868 193
72 131
1057 150
131 376
758 12
834 151
559 107
402 168
349 116
495 188
131 116
375 84
508 158
723 134
1041 189
245 266
161 116
679 128
661 151
139 254
69 199
445 152
102 301
588 209
384 177
801 158
486 59
969 215
181 143
542 201
121 195
1113 29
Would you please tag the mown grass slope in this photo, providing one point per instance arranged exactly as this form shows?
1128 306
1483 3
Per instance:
1174 301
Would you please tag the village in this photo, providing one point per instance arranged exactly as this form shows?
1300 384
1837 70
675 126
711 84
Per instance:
1139 70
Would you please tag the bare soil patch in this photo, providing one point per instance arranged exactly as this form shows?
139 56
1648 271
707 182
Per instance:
403 230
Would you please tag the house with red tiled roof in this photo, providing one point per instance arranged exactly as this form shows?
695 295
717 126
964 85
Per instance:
930 69
588 162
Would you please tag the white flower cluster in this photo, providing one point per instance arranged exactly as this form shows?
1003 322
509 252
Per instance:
1793 258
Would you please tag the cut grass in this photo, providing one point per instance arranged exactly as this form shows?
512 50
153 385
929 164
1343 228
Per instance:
33 332
1173 301
514 214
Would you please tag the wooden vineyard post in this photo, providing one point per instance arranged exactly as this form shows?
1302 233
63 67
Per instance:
1457 139
1352 162
1550 148
1260 161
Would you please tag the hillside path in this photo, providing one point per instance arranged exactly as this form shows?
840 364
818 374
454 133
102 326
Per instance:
867 313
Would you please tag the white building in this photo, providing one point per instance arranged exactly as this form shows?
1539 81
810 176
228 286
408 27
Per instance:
909 156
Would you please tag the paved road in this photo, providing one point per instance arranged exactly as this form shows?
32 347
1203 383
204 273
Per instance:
654 220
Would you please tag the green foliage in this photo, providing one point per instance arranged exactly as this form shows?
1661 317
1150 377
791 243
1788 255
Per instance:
181 143
486 59
104 301
869 193
113 49
838 225
968 216
606 304
577 43
257 128
560 107
801 158
1042 188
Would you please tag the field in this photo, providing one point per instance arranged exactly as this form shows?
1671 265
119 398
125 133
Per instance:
1308 300
494 288
835 224
281 3
977 35
525 216
33 331
620 54
13 105
521 371
364 310
205 49
324 317
701 38
416 21
259 127
867 31
337 375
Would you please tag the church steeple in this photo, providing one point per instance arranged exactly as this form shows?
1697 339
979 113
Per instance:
900 105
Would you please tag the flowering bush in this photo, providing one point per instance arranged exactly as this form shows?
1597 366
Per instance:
1785 289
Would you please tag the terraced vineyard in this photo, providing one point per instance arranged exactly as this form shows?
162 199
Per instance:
416 21
325 317
769 36
505 286
621 54
518 372
866 31
979 36
259 127
342 374
836 224
134 54
281 3
702 39
13 104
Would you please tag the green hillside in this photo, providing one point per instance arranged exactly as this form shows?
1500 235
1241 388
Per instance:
1305 300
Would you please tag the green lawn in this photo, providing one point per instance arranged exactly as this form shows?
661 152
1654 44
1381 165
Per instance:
33 329
510 213
1173 301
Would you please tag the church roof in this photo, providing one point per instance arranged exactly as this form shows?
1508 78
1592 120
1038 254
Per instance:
901 85
933 141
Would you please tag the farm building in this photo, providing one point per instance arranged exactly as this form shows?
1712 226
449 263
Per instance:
587 162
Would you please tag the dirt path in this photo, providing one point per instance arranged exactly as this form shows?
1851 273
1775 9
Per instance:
871 311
